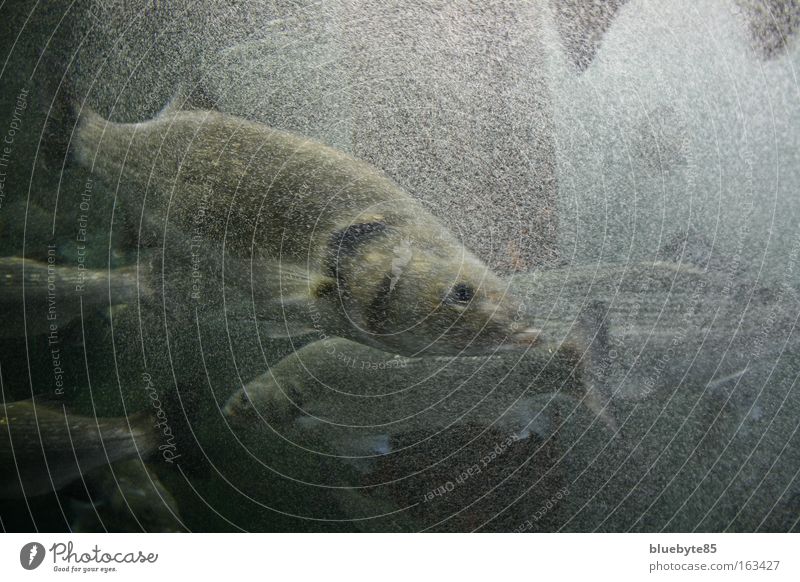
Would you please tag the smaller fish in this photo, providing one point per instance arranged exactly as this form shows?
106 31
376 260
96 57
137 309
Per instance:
35 296
43 447
127 497
362 395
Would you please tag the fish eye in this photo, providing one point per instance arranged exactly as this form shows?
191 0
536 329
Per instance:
462 293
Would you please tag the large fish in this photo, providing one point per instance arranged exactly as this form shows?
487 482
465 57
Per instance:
40 297
315 239
43 447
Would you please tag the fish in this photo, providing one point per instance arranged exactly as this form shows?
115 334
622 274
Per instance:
39 297
650 327
127 496
314 239
44 447
357 395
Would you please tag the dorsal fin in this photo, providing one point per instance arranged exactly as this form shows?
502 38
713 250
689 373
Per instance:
187 98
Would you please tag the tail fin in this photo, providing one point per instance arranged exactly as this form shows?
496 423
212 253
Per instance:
71 128
86 132
590 340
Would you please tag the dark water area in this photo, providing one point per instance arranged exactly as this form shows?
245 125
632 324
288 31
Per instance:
559 291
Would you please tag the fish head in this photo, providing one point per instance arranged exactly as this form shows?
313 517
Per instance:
426 294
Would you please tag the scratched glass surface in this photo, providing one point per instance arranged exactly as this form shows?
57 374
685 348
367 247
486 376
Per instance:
399 266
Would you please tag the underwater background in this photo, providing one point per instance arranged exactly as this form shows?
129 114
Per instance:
630 169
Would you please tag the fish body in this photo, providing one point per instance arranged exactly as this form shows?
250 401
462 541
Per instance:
43 447
356 395
37 297
317 240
